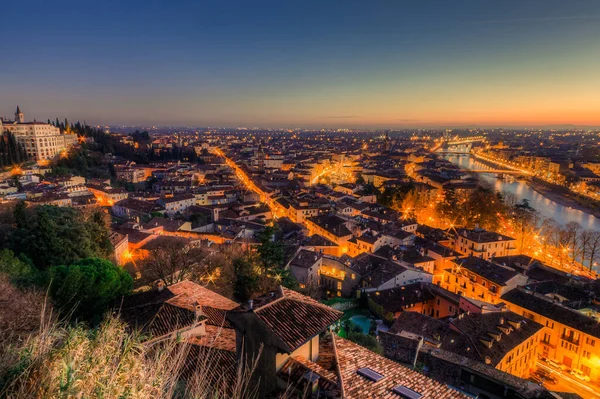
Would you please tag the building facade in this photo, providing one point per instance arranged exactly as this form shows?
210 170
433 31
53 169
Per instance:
40 140
570 338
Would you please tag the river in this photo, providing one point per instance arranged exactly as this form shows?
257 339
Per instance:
545 206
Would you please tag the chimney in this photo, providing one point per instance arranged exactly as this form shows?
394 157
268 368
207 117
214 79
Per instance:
198 311
160 286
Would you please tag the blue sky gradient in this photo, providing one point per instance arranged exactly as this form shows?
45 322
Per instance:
310 63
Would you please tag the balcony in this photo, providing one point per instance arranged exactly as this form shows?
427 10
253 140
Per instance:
570 339
547 343
333 273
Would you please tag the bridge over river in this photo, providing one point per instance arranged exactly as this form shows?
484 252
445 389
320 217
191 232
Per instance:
502 171
455 145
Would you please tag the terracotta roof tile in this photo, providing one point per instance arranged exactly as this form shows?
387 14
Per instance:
216 337
351 357
188 294
296 318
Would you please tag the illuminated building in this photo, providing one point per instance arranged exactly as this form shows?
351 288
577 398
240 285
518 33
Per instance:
40 140
483 244
504 340
479 279
570 338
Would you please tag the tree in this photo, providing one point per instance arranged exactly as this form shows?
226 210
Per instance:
88 285
393 196
246 279
271 255
525 220
175 261
11 151
15 268
270 251
51 235
572 232
591 247
360 180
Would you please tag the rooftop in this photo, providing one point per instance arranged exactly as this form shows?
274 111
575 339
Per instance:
544 306
482 236
488 270
352 357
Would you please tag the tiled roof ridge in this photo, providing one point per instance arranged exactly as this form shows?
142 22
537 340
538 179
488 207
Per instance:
338 369
153 319
317 368
309 301
272 302
173 301
481 357
547 299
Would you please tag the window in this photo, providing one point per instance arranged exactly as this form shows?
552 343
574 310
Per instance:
369 374
406 393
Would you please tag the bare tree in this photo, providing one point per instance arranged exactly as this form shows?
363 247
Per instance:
547 228
557 239
572 233
175 261
591 247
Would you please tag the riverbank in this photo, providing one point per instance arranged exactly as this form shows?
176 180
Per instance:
561 195
558 194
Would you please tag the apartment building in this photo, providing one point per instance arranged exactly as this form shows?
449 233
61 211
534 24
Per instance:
479 279
483 244
570 337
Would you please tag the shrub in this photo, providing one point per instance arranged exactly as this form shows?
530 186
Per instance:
109 362
89 285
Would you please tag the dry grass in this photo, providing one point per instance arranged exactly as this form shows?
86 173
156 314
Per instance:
62 361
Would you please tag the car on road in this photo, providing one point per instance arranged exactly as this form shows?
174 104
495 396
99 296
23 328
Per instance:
579 375
535 378
556 365
545 376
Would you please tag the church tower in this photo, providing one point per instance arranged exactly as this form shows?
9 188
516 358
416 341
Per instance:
19 116
387 144
261 157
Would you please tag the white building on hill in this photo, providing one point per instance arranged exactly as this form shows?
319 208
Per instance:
40 140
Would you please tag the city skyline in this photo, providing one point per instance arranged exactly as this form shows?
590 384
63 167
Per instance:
317 65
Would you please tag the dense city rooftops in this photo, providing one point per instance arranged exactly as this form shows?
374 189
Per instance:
544 306
488 270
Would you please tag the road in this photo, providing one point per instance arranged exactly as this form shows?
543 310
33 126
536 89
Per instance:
568 383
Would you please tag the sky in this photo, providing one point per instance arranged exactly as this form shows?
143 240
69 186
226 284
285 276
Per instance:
337 63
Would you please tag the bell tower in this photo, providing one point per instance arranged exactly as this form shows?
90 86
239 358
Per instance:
261 157
19 116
